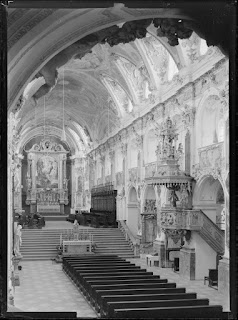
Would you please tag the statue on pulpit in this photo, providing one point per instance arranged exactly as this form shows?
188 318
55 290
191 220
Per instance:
173 198
184 197
17 241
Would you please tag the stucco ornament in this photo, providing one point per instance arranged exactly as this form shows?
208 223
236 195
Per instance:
113 35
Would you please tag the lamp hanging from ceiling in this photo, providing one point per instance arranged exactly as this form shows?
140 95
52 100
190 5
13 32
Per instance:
63 135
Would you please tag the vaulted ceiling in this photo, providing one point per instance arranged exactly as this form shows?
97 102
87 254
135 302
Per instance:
97 90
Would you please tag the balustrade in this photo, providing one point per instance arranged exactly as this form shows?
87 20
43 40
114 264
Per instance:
133 242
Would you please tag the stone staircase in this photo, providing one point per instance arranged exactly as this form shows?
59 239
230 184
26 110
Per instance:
40 244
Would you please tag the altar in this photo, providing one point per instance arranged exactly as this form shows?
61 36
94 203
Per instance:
77 246
47 181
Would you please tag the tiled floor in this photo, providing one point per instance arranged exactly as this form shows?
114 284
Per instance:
44 287
203 291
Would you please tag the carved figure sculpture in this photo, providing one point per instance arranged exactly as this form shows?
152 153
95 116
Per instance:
173 198
17 241
184 197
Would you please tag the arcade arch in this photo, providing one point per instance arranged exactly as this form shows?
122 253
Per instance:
209 197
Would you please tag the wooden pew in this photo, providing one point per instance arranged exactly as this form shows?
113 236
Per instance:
71 267
104 270
79 275
184 312
144 297
92 256
96 264
109 312
97 260
81 278
74 271
89 285
94 291
97 297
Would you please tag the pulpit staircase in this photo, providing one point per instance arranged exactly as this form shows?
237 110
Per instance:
195 221
211 233
41 244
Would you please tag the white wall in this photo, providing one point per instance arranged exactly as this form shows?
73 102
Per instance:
205 256
132 219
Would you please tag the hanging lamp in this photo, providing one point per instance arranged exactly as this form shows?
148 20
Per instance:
63 135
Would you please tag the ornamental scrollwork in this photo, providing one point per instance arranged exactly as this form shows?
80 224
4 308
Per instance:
150 206
46 145
175 234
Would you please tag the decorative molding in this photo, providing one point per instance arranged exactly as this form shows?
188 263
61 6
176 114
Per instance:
210 162
47 146
150 207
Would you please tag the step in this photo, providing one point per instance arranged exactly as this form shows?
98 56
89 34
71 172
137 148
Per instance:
39 253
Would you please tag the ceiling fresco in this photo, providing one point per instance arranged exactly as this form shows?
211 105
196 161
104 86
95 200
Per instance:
104 83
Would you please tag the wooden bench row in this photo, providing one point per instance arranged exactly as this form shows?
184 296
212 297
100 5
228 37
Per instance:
119 289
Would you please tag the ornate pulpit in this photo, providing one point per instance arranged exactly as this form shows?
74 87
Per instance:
47 184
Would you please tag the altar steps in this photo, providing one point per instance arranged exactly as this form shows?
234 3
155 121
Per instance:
41 244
